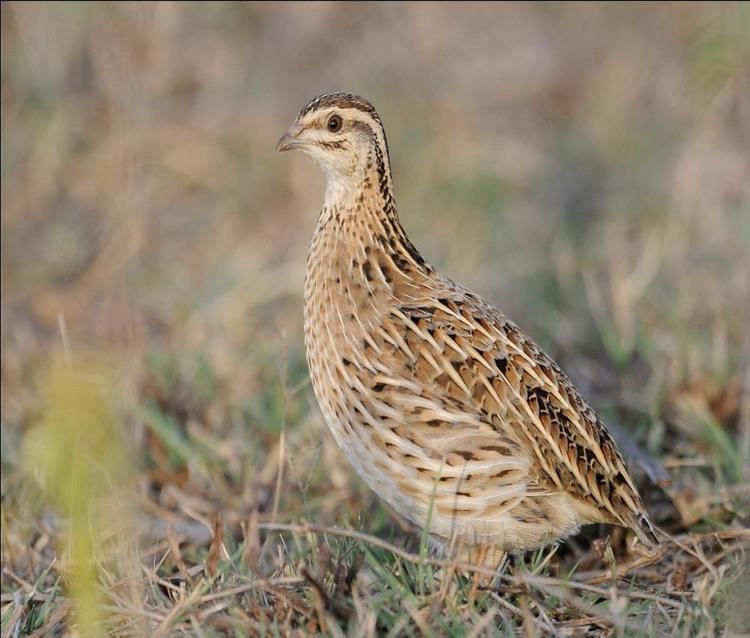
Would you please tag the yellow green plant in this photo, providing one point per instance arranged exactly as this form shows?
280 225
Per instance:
77 453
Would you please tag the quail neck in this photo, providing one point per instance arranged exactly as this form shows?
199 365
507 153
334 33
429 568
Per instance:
443 406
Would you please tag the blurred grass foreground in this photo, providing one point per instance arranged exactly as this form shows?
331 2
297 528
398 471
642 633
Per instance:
165 470
78 455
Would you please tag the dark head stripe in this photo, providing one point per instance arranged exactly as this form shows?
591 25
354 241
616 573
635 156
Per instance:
340 99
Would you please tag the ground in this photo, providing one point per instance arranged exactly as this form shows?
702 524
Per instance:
582 166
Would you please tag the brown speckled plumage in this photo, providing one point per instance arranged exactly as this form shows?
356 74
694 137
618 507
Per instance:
442 405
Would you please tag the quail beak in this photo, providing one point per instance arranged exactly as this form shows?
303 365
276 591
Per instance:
290 139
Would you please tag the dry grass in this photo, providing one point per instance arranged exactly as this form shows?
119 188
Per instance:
583 166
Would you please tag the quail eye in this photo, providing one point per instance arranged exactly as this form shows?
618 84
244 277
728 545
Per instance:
334 123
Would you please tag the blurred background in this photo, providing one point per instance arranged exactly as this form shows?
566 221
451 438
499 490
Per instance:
585 167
